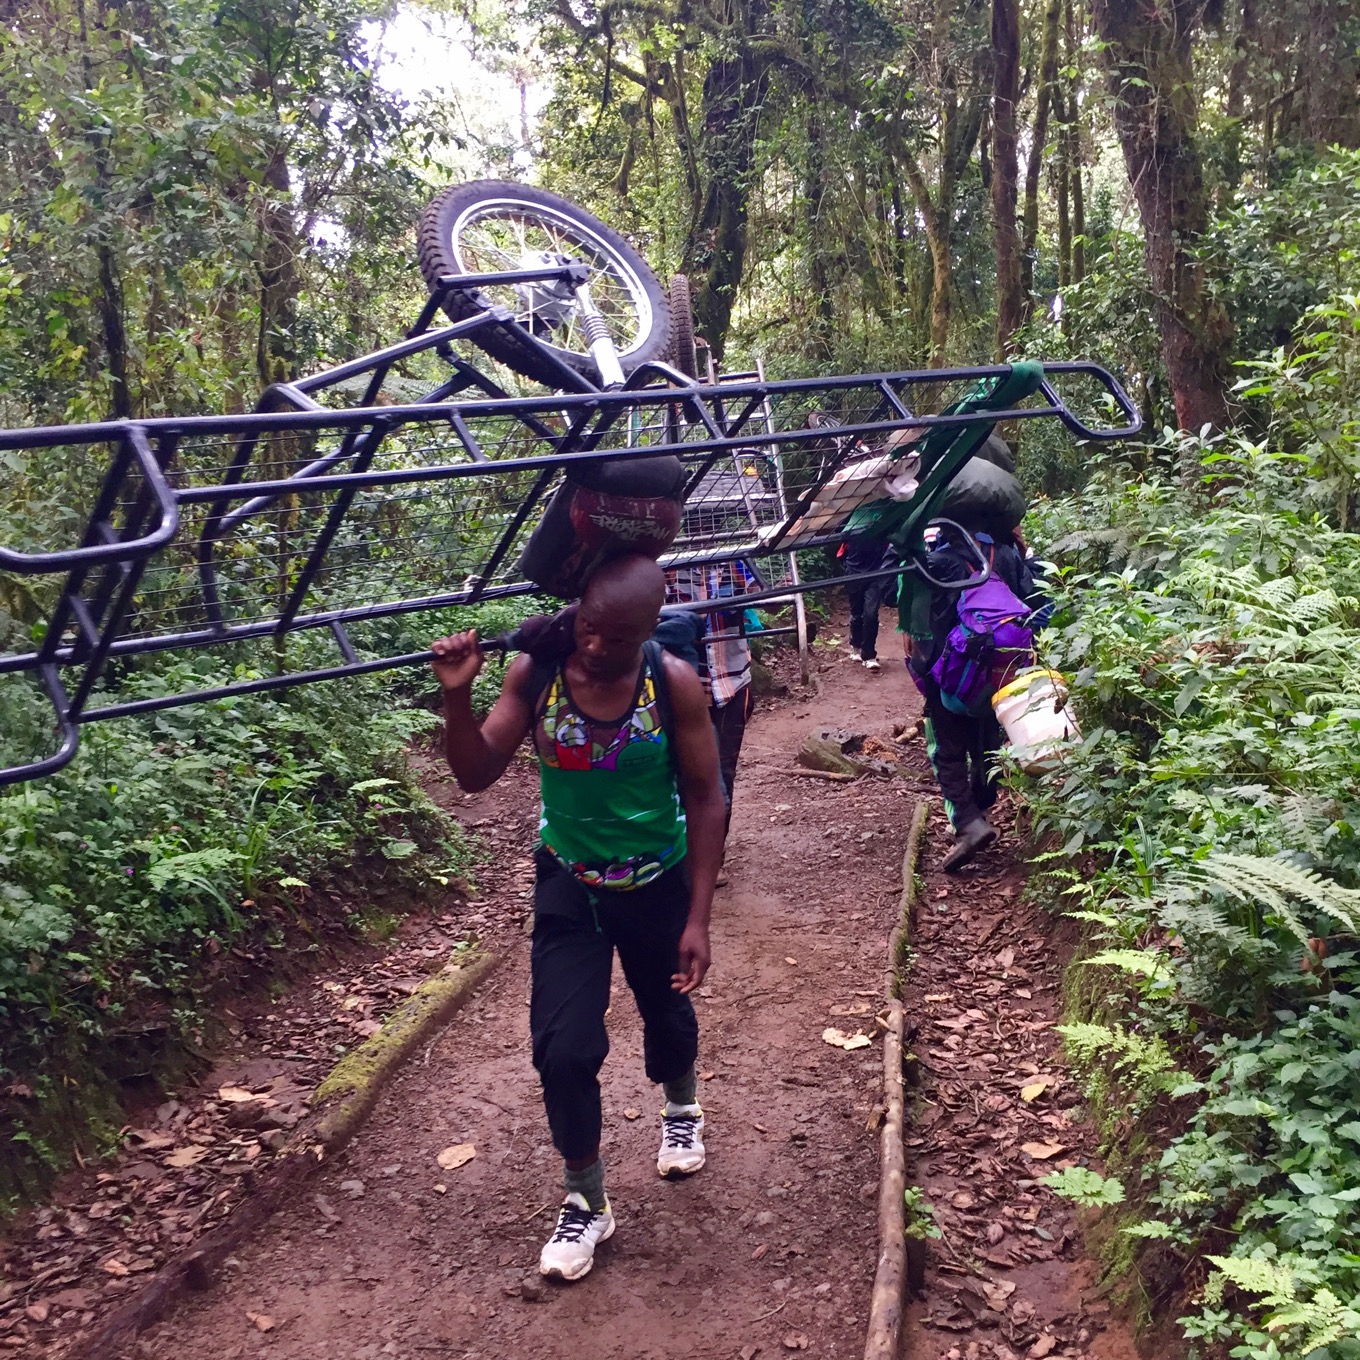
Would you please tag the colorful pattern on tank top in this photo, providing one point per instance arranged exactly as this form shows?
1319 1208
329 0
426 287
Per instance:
579 743
611 810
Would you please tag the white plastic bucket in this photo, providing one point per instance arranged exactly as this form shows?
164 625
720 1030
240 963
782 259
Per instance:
1033 712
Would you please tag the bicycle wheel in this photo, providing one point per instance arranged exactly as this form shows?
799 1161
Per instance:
682 327
490 226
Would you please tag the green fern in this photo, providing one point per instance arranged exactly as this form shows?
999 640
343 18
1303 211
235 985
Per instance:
1206 921
194 868
1150 1228
1258 1277
1084 1186
1143 1063
1277 884
1139 962
1320 1320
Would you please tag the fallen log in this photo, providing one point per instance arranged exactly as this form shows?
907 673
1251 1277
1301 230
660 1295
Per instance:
890 1279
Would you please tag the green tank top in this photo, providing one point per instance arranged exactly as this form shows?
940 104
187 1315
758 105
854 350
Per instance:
611 812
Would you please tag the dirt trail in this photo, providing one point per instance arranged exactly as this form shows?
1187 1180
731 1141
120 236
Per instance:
769 1250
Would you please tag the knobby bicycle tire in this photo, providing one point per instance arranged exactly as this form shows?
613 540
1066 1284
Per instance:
622 284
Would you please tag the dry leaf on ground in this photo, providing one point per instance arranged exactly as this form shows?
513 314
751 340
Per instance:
113 1266
840 1039
457 1155
796 1341
143 1140
1041 1152
998 1292
631 1113
186 1156
1033 1091
263 1322
234 1094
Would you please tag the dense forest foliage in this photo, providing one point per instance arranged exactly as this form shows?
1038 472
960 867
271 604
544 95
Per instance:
201 199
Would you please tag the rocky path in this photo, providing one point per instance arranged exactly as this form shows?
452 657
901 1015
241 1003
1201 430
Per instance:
994 1112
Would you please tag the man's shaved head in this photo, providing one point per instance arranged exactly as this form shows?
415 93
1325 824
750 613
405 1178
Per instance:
618 613
633 584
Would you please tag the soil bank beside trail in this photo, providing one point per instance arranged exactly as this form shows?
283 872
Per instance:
769 1250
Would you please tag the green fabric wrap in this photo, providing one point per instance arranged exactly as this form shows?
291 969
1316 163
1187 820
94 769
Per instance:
943 453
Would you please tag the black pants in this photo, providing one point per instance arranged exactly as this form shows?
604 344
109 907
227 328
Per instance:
729 722
866 599
576 932
961 749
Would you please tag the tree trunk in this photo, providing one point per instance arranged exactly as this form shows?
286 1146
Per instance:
939 240
280 282
817 244
960 126
1062 173
1074 151
1329 74
1147 55
1005 96
1078 213
941 294
109 300
715 248
1043 104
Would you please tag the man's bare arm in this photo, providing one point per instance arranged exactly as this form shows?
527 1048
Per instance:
479 752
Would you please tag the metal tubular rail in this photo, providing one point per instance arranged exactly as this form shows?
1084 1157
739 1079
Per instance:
98 615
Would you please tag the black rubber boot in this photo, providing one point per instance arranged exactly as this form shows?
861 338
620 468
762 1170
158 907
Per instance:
972 840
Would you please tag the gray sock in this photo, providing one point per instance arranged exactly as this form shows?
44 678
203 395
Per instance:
589 1183
684 1090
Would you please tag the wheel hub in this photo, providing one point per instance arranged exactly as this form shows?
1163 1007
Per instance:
551 301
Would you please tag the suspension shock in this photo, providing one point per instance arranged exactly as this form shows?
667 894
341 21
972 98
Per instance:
597 336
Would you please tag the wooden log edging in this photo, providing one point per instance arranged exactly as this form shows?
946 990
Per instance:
886 1301
343 1102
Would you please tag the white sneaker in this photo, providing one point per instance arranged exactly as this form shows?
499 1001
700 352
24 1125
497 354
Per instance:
570 1252
682 1141
872 664
854 654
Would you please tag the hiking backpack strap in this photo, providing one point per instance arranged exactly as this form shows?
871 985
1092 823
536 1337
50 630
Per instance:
541 675
655 655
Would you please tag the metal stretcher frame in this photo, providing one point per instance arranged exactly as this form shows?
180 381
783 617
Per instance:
151 503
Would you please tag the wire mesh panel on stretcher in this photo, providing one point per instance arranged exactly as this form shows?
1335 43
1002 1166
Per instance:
731 505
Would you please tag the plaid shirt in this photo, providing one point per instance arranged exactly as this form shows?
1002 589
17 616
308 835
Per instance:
726 667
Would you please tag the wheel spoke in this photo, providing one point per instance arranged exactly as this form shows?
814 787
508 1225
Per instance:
501 239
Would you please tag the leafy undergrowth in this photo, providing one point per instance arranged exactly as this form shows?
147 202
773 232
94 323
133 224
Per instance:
1208 828
175 843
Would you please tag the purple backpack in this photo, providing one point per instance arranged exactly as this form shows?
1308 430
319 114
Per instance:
990 643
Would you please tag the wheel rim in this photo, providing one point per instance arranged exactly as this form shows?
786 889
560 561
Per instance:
502 233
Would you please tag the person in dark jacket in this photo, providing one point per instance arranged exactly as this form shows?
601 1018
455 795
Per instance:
861 555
